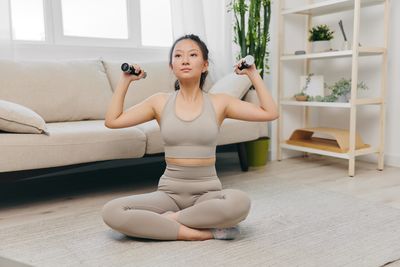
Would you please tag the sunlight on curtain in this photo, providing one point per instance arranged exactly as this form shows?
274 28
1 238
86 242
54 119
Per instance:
210 21
159 32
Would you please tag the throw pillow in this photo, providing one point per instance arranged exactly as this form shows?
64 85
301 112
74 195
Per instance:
19 119
232 84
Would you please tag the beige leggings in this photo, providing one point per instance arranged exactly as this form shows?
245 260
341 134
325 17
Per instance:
195 192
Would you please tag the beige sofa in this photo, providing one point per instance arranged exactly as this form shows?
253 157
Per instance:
72 97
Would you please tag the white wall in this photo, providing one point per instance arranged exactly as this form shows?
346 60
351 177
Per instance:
371 34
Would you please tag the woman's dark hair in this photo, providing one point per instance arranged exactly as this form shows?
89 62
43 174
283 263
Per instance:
204 51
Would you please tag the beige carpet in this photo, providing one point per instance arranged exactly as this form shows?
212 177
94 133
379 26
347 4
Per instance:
289 225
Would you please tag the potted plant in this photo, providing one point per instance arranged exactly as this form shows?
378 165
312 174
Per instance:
320 37
340 91
302 96
342 88
251 34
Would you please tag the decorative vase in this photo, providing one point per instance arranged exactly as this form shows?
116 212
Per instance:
344 98
321 46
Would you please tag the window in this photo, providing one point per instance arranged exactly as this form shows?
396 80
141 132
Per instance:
156 32
27 20
95 18
125 23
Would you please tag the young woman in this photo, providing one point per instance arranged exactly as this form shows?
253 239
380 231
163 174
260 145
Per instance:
189 203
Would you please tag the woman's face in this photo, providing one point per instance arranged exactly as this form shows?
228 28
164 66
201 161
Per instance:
187 60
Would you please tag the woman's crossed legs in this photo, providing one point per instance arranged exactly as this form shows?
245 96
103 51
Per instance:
156 215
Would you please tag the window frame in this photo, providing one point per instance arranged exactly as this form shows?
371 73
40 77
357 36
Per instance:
53 26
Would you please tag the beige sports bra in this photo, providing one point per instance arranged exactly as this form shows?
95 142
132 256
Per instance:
196 138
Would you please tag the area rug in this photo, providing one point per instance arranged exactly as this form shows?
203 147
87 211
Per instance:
288 225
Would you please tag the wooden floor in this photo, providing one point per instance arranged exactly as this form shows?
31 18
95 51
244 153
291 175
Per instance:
51 196
67 195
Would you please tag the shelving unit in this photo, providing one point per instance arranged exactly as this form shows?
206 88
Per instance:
323 8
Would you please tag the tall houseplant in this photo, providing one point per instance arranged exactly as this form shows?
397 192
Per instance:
253 36
251 33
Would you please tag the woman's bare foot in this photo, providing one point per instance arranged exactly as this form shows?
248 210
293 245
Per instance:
187 233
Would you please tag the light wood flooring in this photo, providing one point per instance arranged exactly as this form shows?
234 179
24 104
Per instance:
55 197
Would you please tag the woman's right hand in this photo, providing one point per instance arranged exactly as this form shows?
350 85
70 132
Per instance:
132 77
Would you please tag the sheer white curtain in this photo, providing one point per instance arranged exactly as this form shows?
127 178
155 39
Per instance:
6 47
209 20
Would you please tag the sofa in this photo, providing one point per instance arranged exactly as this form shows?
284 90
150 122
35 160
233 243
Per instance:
52 113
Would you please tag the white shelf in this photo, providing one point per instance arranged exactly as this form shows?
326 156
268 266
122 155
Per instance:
365 151
315 151
310 10
358 152
363 51
328 7
369 101
289 102
359 101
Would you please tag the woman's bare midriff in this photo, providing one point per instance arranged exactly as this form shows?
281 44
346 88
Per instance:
190 161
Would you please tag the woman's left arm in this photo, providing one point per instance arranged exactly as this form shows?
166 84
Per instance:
243 110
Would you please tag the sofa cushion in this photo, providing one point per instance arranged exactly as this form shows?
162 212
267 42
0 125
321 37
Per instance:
68 90
19 119
232 84
69 143
236 131
159 79
154 142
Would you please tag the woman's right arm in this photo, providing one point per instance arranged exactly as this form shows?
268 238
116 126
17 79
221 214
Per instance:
116 117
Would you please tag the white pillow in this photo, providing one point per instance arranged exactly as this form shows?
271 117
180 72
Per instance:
232 84
19 119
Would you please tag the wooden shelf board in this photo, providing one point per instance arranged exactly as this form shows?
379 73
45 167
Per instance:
369 101
321 144
315 151
288 102
363 51
359 101
359 152
365 151
328 7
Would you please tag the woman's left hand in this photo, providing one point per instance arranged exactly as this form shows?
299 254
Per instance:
246 71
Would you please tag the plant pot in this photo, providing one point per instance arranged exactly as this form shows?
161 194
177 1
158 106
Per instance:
301 97
344 98
257 152
321 46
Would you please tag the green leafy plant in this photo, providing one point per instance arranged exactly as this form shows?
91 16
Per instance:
320 33
343 87
339 88
254 36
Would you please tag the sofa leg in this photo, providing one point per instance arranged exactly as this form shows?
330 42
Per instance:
242 157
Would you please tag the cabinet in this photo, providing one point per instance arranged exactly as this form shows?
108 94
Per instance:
355 52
